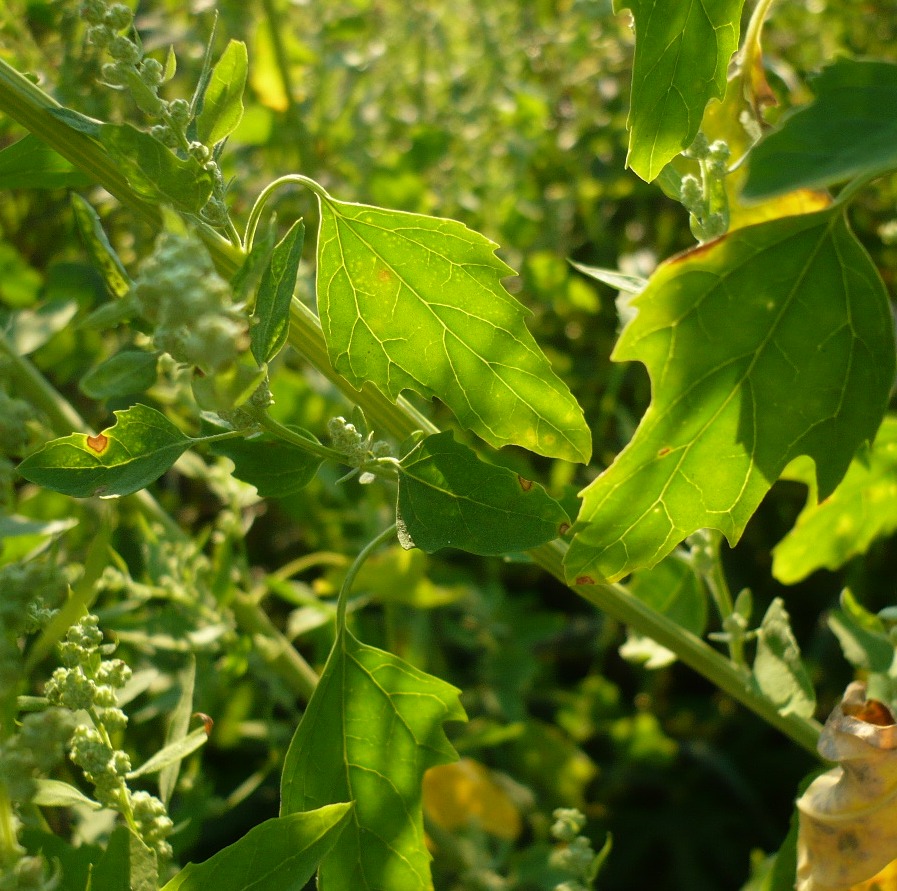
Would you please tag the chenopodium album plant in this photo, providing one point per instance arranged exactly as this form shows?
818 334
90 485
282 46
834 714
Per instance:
770 349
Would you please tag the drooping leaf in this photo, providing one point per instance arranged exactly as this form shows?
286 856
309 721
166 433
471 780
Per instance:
778 671
276 468
222 102
848 130
448 497
278 855
862 509
101 253
772 342
154 171
271 316
682 52
30 163
135 451
416 302
371 729
130 371
622 281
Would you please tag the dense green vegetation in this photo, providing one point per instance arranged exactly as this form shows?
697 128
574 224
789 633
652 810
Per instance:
630 664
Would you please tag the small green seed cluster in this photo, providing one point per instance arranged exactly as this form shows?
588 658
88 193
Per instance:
28 874
705 199
359 450
577 856
34 750
88 682
180 293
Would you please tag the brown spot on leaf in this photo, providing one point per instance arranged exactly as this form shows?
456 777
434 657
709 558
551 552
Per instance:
525 484
563 529
663 452
383 275
98 443
585 580
207 722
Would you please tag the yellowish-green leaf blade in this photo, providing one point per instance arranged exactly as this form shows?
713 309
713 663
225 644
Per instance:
371 729
682 53
773 342
415 302
222 102
862 509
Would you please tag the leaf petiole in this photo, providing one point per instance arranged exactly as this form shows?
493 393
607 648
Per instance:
366 551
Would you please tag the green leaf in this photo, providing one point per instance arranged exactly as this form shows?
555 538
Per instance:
778 671
130 371
127 865
55 793
101 253
30 163
178 727
278 855
416 302
154 171
371 729
12 526
622 281
270 319
682 53
173 753
849 130
222 102
772 342
861 510
862 635
276 468
448 497
135 451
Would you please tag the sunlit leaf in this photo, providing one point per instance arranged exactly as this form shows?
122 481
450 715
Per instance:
682 52
222 102
772 342
862 509
848 130
135 451
416 302
863 636
371 729
32 164
278 855
448 497
55 793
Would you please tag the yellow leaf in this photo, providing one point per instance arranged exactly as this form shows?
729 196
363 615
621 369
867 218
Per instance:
465 793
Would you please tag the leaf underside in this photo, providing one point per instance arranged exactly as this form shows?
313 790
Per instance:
371 729
773 342
415 302
682 54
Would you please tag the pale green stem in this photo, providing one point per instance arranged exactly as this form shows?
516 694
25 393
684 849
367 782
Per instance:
27 104
313 448
751 43
385 536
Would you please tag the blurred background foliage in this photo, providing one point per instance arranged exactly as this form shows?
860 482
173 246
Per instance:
509 116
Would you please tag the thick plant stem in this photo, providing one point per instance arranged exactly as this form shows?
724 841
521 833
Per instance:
29 105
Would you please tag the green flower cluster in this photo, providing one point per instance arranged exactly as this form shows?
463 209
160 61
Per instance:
190 306
88 682
705 199
359 450
577 856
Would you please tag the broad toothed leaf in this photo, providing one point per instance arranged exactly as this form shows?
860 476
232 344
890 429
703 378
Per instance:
415 302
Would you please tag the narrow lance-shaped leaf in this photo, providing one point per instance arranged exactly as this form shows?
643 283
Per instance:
416 302
271 316
135 451
682 52
222 102
772 342
849 130
371 729
862 509
278 855
448 497
97 244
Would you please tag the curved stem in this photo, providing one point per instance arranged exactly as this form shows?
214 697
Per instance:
359 561
275 428
291 179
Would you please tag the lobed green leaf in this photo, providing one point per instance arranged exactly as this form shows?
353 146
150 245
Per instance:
416 302
772 342
371 729
448 497
682 54
135 451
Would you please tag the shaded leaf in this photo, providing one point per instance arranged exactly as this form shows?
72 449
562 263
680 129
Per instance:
12 526
30 163
130 371
416 302
29 329
778 671
849 130
55 793
448 497
102 254
276 468
862 635
682 53
135 451
371 729
772 342
278 855
178 728
270 319
222 102
154 171
862 508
